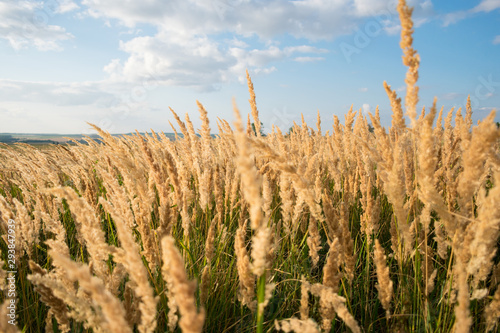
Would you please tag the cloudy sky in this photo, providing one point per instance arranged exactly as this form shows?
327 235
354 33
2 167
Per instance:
121 63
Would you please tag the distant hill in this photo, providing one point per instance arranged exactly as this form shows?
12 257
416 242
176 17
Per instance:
46 139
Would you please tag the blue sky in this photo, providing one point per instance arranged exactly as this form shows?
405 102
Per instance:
121 64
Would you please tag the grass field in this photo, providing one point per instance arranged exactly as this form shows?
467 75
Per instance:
352 229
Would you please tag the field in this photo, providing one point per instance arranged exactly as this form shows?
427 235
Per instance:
359 228
48 140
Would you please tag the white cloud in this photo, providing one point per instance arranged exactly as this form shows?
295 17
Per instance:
366 109
4 84
30 117
370 7
236 43
308 59
452 18
304 49
173 60
27 23
392 29
426 5
196 43
187 48
496 40
61 106
364 89
60 93
66 6
196 60
488 108
312 19
451 96
485 6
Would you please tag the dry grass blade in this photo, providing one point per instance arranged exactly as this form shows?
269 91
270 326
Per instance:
173 266
111 307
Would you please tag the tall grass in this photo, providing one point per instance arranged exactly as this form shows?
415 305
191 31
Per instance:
391 230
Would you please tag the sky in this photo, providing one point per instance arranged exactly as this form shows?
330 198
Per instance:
120 64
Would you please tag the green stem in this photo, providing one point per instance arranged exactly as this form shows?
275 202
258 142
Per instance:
261 295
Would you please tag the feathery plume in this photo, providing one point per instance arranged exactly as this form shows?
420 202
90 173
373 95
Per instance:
191 320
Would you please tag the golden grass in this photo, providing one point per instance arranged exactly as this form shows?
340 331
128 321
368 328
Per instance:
116 237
